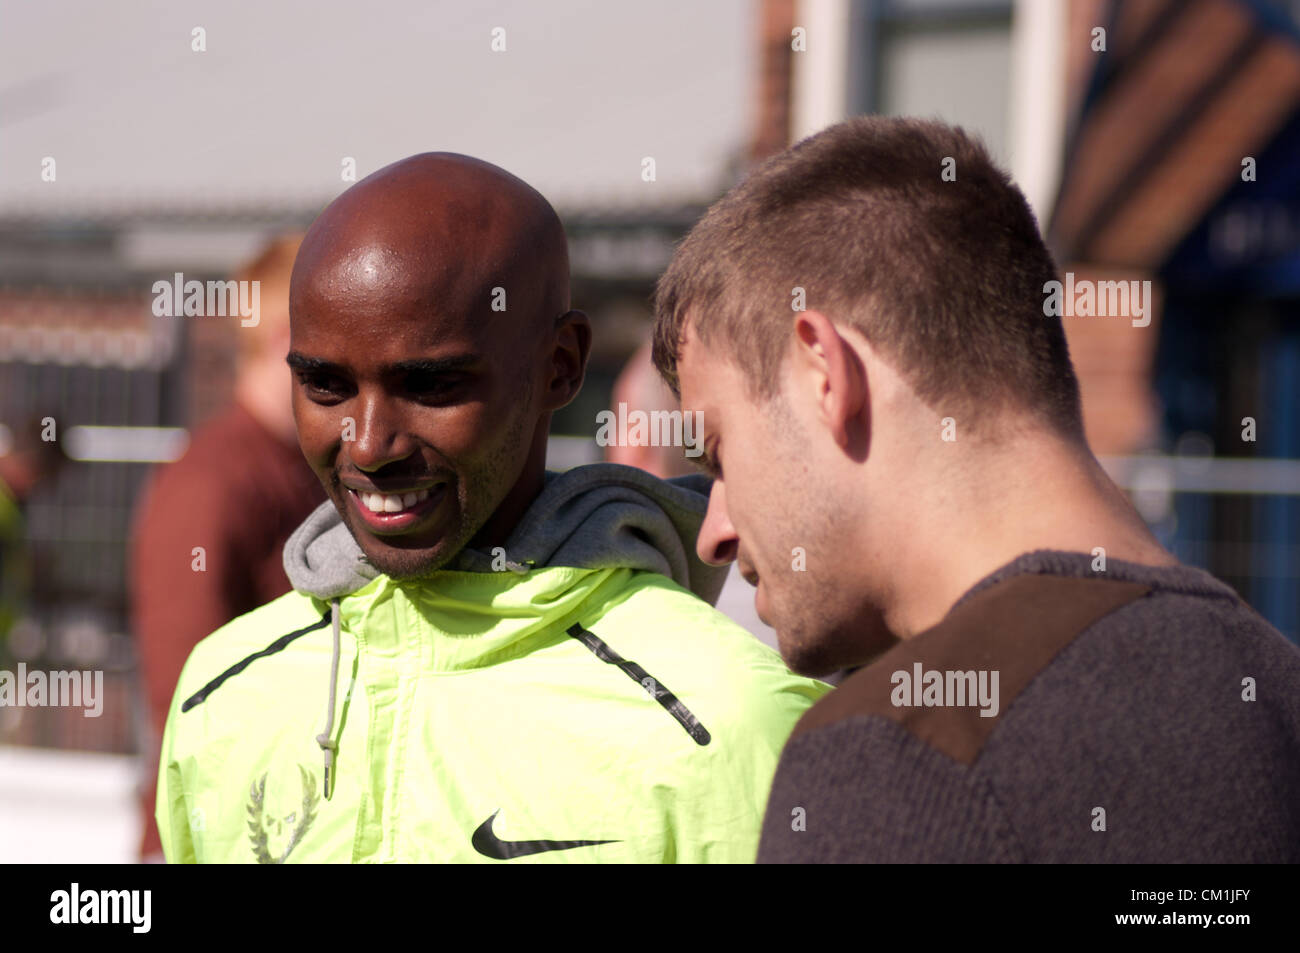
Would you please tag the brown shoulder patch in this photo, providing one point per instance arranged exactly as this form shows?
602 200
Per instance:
1014 628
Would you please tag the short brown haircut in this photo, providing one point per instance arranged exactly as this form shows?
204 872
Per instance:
944 278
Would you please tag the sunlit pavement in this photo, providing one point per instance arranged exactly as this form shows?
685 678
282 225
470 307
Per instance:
68 807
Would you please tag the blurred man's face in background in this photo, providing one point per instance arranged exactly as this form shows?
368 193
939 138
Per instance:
414 409
640 388
263 383
781 509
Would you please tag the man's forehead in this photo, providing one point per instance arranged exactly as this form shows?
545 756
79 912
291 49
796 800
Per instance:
706 374
368 268
379 284
388 331
397 330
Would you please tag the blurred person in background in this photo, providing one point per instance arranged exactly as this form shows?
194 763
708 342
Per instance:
639 387
27 460
210 531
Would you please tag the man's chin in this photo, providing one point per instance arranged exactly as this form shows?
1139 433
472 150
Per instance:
825 651
407 564
401 562
810 661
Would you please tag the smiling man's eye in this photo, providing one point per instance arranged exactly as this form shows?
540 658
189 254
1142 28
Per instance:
424 384
322 384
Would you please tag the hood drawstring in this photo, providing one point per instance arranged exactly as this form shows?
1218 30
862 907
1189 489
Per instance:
325 739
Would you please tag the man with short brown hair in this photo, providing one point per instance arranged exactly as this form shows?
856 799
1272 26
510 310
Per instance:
893 426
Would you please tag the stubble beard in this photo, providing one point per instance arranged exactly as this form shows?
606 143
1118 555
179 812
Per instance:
819 623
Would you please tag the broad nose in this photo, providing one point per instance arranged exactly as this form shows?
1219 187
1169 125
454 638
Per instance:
717 543
381 434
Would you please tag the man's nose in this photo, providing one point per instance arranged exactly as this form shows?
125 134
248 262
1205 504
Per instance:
382 436
717 543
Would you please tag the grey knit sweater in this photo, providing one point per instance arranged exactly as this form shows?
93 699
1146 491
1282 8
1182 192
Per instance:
1142 714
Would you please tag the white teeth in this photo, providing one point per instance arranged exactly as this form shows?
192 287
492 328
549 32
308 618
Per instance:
391 502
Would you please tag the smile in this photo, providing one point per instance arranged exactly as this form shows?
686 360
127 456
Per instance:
391 502
388 513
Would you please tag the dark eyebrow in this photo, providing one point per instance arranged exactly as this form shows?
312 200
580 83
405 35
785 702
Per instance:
438 365
301 362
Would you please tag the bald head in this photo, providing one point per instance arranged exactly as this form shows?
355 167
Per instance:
443 230
431 339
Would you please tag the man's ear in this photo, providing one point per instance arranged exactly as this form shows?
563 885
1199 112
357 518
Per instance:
570 348
828 364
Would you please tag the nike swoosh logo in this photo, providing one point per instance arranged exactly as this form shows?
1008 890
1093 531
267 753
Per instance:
489 845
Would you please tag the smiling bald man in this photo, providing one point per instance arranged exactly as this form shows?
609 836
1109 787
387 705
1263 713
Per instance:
481 661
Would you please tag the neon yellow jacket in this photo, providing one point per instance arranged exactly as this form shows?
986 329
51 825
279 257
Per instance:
545 715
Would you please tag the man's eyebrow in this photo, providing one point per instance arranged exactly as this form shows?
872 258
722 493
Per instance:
301 362
433 365
423 365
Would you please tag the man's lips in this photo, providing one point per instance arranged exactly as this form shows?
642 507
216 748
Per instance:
389 486
403 507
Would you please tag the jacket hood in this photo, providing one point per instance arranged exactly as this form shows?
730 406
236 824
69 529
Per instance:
601 516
